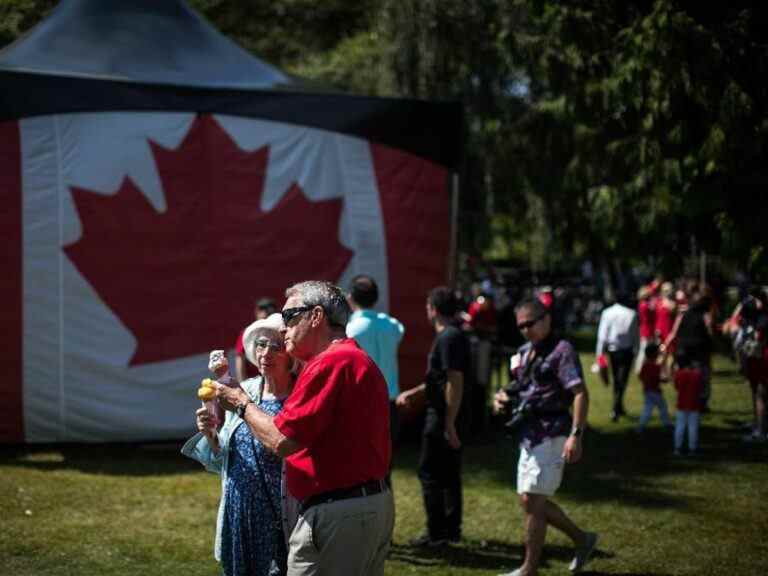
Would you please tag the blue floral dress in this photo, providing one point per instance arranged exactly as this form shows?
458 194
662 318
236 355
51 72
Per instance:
251 523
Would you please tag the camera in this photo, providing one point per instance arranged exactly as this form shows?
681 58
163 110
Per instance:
516 410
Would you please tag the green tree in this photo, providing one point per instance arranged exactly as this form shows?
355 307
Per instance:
18 16
667 127
601 129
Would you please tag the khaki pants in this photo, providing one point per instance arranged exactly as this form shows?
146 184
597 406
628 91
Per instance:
347 537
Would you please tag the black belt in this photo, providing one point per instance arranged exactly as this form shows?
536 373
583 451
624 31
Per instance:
358 491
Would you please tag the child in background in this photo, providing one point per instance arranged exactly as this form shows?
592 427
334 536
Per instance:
689 385
650 376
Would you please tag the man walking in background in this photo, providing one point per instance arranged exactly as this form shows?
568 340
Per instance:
549 380
379 334
617 334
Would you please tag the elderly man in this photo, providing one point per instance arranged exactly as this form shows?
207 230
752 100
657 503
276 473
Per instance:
549 380
333 433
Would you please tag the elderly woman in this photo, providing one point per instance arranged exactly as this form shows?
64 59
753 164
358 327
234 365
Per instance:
249 528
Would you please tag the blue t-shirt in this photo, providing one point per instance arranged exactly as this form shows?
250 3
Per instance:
379 335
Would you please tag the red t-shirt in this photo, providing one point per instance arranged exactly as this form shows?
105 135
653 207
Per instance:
650 376
339 412
689 388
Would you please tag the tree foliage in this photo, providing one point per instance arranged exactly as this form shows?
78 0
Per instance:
594 128
640 128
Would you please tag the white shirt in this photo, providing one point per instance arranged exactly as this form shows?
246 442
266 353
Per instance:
617 330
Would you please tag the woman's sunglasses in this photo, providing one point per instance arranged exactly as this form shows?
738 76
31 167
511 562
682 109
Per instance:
264 343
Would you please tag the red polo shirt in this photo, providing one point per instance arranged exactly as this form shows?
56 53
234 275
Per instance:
339 413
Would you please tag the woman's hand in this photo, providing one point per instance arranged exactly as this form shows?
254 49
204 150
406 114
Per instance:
205 422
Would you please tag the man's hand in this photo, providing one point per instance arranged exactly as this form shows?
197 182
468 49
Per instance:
230 398
500 401
452 436
405 398
572 449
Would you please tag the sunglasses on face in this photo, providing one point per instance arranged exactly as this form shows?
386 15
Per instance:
529 323
290 313
264 343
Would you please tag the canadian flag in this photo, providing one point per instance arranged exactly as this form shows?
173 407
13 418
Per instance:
137 242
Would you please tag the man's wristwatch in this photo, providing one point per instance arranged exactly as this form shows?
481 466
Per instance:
240 410
577 431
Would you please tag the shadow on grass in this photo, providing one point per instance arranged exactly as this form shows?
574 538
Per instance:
482 555
618 463
123 459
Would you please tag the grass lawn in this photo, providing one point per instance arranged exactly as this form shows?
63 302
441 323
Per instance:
109 510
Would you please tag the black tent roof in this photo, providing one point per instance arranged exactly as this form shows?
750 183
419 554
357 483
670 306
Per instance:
96 55
149 41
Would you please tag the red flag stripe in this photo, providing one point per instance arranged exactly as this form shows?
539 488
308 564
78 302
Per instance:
11 295
416 210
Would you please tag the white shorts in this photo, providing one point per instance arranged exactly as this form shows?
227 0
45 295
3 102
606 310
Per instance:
540 469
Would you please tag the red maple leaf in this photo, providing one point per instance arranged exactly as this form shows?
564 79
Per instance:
184 281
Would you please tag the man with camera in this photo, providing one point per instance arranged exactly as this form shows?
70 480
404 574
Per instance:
546 381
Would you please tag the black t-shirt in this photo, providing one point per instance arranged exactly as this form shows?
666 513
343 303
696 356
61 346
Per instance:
450 351
693 337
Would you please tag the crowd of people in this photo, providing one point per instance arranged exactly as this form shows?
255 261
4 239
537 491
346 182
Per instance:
324 375
682 321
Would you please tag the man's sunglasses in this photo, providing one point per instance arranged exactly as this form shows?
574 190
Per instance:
529 323
290 313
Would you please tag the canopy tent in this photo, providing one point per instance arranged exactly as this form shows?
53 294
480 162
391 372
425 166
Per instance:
156 179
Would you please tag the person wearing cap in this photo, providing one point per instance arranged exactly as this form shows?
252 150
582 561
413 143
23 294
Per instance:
333 432
254 514
244 368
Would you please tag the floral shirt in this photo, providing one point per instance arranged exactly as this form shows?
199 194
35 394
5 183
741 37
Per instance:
548 373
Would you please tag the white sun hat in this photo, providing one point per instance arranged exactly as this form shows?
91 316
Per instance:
271 324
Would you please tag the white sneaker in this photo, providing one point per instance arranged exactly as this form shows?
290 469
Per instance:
515 572
583 553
